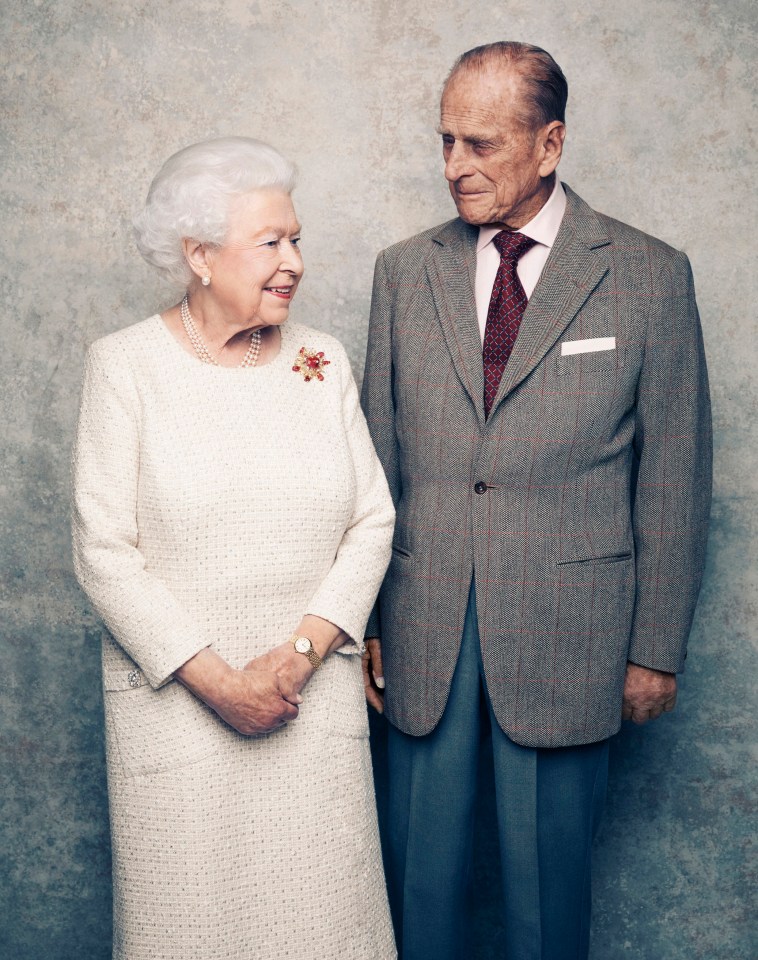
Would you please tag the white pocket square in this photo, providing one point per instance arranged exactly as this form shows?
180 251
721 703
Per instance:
587 346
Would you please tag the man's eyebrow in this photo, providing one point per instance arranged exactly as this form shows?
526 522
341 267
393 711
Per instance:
484 141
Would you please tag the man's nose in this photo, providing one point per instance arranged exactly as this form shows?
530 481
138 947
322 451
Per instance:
456 163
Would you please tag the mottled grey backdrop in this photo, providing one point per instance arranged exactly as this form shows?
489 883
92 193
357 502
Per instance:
94 97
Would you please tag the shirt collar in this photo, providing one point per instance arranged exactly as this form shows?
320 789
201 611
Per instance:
543 228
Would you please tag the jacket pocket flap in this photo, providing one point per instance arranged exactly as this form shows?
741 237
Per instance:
614 557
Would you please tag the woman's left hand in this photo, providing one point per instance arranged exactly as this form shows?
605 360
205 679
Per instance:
292 668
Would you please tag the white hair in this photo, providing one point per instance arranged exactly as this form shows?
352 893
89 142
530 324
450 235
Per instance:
192 193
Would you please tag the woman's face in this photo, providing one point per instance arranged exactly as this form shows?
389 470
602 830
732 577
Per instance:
255 273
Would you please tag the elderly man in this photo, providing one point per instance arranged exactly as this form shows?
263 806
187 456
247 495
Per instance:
537 392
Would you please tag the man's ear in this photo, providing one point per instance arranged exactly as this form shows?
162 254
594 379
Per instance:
551 139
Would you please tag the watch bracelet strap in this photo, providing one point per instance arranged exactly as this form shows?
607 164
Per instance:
313 658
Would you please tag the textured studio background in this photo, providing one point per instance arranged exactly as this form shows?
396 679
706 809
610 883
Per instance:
94 97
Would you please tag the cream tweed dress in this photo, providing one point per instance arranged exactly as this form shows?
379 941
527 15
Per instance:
217 506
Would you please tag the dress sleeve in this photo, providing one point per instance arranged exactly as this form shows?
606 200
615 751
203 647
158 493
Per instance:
140 612
347 593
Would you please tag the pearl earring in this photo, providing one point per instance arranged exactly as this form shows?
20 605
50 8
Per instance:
206 281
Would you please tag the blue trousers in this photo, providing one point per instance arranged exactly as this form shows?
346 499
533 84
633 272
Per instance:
548 803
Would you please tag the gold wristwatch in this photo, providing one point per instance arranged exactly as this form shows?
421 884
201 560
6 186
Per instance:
303 645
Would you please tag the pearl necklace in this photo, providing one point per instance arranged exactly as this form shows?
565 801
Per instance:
249 360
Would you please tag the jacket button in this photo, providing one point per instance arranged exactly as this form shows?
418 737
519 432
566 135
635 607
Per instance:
480 487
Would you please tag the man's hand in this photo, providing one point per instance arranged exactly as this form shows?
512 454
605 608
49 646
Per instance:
647 693
373 673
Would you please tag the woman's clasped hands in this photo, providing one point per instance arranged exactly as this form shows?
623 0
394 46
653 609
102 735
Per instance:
262 697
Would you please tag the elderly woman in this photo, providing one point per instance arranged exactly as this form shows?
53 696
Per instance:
231 526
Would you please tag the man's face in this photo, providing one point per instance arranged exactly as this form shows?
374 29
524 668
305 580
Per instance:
494 165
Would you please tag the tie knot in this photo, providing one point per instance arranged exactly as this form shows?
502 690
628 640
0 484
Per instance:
512 246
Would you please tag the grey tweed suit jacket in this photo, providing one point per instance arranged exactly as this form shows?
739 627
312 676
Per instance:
580 506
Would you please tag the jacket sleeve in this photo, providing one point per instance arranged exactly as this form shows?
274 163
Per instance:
347 593
377 395
673 447
139 611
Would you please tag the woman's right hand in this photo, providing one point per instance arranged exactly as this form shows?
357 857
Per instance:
250 700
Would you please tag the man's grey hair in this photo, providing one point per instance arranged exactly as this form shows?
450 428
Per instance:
545 87
192 193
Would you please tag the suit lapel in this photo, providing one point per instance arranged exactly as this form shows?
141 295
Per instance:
575 266
451 276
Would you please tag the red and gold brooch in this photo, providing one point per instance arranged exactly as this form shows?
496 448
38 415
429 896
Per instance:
310 365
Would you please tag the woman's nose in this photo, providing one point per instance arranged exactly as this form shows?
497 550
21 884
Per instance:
292 260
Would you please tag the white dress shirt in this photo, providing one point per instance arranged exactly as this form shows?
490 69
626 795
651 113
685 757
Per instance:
543 228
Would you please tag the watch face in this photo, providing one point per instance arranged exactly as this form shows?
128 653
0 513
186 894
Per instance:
302 645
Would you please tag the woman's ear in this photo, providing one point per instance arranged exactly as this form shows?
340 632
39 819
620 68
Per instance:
196 255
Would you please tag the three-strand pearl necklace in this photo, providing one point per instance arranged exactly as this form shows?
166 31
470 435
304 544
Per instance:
204 354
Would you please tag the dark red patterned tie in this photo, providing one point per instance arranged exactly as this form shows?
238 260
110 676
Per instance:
506 309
